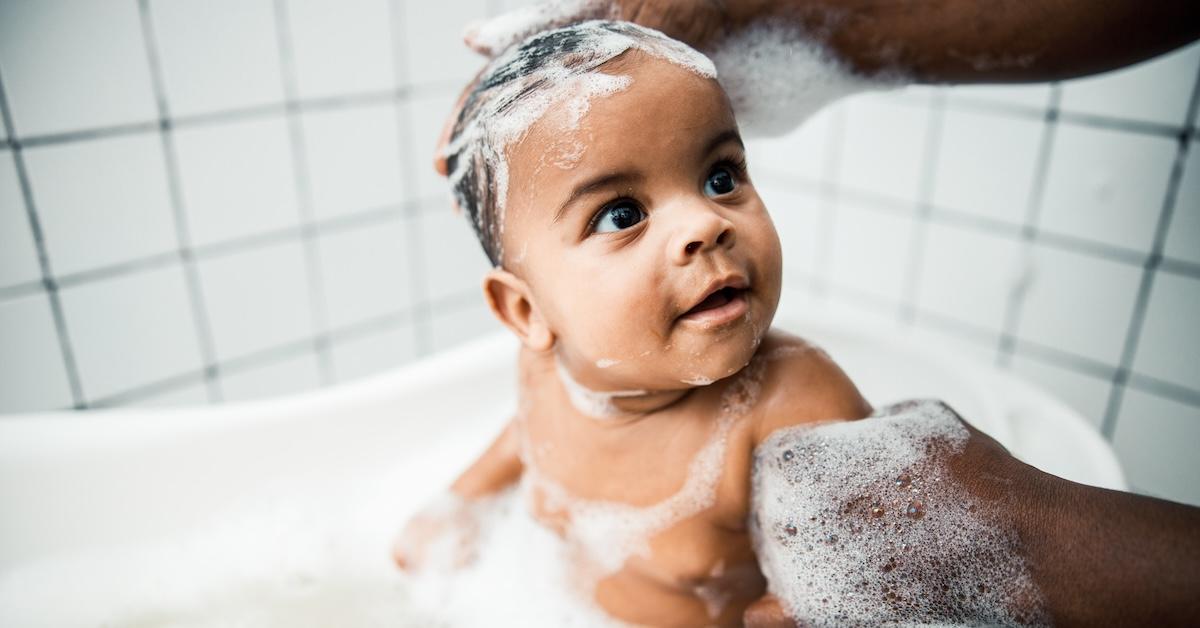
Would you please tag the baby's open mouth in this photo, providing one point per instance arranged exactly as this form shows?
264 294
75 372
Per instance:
722 304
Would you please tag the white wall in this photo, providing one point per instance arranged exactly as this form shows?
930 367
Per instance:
219 200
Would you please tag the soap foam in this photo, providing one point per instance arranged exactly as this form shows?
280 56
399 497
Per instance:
777 75
594 403
854 523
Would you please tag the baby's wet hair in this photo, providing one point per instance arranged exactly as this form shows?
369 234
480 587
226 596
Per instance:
517 88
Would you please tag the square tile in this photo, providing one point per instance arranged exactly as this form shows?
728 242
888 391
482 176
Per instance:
132 330
884 147
974 348
1169 346
276 379
1084 392
32 374
102 201
433 32
191 395
1157 90
462 323
257 299
1079 304
1036 96
870 251
1156 443
969 275
237 179
1183 236
1107 186
454 262
218 55
986 164
353 159
366 272
802 153
798 218
427 115
74 64
374 353
342 46
18 255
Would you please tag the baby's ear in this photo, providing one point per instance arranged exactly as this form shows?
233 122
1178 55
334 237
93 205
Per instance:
510 300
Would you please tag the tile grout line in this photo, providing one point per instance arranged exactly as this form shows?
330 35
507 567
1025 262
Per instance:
65 346
200 321
318 307
931 153
1029 231
1145 287
422 328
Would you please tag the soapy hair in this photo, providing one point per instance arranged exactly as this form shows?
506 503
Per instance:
519 86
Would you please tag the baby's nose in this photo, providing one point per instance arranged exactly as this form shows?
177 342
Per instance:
702 230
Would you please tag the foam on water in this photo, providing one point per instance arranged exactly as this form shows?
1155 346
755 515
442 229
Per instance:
854 523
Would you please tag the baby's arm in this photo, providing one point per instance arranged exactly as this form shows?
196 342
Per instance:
451 519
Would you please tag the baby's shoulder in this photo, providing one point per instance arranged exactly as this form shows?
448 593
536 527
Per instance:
802 384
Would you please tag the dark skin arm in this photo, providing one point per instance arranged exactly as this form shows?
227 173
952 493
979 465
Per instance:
1099 557
934 41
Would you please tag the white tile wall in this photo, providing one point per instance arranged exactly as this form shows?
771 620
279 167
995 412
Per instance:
1086 393
202 76
870 250
342 46
257 299
801 153
884 148
74 64
986 164
1079 303
1030 96
1183 239
1169 347
373 353
32 374
454 263
1107 186
191 395
353 159
131 330
1156 442
798 219
18 255
102 201
969 275
435 52
365 271
428 114
237 179
272 380
1151 91
457 323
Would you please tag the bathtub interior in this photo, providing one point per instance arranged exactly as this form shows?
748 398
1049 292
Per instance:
281 512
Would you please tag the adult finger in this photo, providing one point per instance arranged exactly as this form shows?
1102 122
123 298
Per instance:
767 612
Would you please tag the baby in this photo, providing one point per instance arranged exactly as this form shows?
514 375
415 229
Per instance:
603 171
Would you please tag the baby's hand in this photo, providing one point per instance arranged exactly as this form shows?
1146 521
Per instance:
441 535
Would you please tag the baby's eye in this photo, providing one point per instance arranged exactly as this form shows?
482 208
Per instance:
617 216
720 181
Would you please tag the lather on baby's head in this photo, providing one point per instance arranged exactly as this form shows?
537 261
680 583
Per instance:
602 169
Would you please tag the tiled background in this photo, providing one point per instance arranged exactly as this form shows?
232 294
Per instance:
228 199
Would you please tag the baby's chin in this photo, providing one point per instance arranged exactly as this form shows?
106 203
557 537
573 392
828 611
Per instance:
703 361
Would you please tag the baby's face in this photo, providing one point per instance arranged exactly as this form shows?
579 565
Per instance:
644 245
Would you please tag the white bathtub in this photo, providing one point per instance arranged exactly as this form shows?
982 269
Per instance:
281 512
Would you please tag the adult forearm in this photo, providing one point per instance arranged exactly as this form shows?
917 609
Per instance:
1104 557
986 41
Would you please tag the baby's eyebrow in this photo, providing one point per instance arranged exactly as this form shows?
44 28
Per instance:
594 184
722 137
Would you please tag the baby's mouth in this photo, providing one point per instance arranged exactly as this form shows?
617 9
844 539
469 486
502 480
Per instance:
721 305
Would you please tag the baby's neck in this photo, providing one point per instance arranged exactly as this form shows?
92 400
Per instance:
617 406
